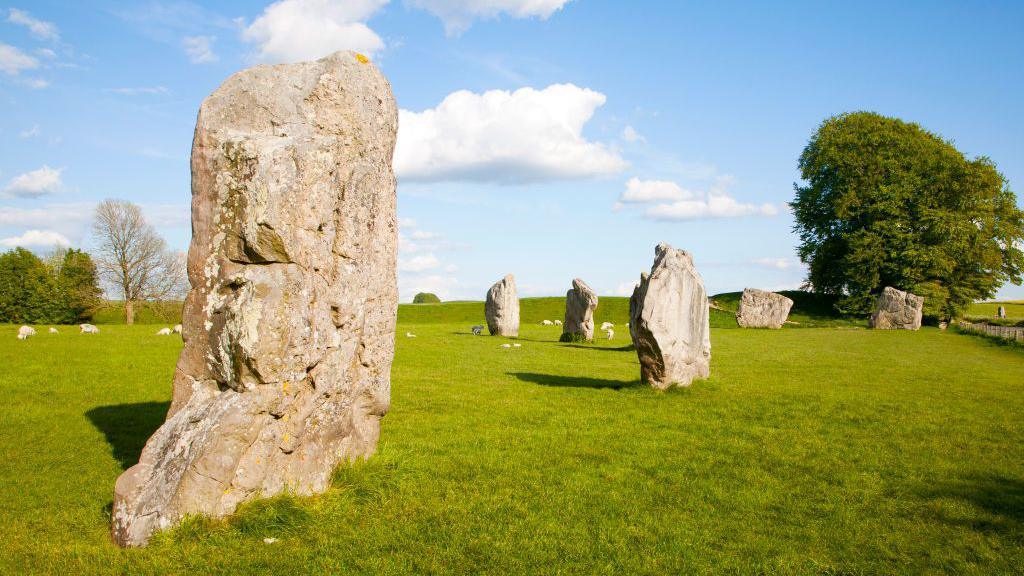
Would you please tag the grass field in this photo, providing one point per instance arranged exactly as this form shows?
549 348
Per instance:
808 451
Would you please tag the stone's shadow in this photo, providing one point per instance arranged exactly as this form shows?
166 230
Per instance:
626 348
572 381
999 496
127 427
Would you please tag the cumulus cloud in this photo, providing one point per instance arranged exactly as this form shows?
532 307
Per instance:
418 263
199 49
667 200
458 15
36 183
507 137
39 28
13 61
629 134
778 263
295 30
36 239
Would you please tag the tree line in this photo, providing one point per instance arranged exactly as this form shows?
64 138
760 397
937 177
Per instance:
130 260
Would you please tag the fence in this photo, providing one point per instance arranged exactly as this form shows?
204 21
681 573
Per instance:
1007 332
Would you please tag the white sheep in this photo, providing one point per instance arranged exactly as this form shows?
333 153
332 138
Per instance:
607 326
88 329
53 330
517 345
410 335
477 330
25 331
163 332
611 333
558 322
177 328
546 323
506 346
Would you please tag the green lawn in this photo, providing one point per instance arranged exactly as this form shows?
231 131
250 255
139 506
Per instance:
810 451
987 310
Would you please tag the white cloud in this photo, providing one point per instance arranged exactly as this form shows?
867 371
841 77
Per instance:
137 90
629 134
625 288
37 239
199 49
406 222
36 83
669 201
457 15
46 53
499 136
29 132
418 263
36 183
13 61
423 235
295 30
639 191
70 215
40 29
779 263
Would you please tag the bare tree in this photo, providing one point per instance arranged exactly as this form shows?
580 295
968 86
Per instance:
132 259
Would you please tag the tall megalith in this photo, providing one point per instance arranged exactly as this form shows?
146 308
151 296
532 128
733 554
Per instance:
501 310
669 321
580 302
289 323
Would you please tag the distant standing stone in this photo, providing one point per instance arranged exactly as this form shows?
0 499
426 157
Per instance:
1001 312
669 321
580 303
762 309
502 308
897 310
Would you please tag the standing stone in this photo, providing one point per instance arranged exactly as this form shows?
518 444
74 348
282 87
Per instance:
289 324
1001 312
762 309
502 308
580 303
669 321
897 310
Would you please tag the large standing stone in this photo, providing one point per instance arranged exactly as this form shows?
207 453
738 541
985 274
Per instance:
897 310
762 309
669 321
580 303
502 308
1001 312
289 325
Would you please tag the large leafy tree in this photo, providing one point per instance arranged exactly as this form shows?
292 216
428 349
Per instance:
28 293
78 285
888 203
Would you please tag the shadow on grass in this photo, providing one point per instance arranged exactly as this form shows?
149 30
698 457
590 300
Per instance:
127 427
626 348
1000 497
572 381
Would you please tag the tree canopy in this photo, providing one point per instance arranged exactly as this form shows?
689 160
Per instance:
888 203
62 289
426 298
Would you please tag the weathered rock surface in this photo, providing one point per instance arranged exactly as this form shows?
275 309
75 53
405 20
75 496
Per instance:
897 310
669 321
762 309
502 308
580 302
289 324
1001 312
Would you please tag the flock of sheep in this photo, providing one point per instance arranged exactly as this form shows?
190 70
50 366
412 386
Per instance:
26 332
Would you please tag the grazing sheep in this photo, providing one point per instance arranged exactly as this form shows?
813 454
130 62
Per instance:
506 346
611 333
546 323
53 330
88 329
177 328
163 332
25 331
607 326
517 345
477 330
410 335
558 322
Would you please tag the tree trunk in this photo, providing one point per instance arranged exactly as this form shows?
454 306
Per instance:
129 312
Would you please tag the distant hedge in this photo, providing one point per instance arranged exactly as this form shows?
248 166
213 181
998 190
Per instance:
426 298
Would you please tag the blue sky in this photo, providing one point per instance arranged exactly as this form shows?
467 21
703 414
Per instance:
547 138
